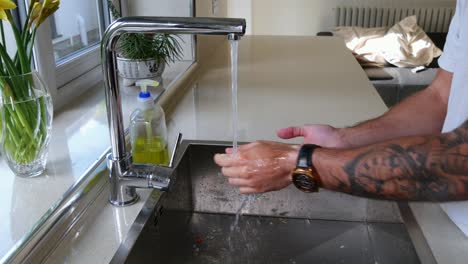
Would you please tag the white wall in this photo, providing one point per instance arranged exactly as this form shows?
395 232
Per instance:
178 8
307 17
241 9
159 7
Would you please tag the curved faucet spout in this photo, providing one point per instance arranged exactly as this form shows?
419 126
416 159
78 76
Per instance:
172 25
234 28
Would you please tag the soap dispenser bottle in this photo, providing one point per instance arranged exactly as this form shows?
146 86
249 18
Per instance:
148 132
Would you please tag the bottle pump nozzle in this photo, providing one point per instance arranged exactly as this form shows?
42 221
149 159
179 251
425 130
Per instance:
143 84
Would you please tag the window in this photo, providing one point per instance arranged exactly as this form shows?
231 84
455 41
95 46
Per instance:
74 27
9 39
67 50
67 47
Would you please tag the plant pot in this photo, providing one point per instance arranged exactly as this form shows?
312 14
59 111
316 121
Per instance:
27 122
133 70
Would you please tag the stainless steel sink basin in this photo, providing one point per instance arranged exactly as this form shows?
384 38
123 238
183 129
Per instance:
195 222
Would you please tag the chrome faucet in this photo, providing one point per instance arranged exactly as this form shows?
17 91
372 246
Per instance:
125 176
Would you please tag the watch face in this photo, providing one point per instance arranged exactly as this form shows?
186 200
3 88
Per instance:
305 182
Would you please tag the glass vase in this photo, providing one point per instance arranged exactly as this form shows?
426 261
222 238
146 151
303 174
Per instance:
26 123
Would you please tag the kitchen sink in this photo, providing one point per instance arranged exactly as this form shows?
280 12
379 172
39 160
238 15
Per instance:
196 222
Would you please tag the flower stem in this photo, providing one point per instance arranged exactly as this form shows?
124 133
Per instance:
2 31
25 26
25 66
10 66
30 52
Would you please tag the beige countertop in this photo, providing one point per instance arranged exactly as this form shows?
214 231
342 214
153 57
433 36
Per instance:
447 242
287 81
282 81
80 135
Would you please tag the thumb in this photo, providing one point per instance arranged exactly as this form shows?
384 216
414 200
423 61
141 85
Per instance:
291 132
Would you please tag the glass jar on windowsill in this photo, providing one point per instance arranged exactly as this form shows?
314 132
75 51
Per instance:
27 121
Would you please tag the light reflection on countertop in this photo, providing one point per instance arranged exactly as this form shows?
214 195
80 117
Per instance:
80 136
282 81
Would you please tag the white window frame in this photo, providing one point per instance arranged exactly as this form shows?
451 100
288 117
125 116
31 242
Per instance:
74 75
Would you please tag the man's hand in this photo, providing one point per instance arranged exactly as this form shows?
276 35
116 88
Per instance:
260 166
322 135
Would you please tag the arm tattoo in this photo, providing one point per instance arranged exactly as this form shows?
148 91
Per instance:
429 168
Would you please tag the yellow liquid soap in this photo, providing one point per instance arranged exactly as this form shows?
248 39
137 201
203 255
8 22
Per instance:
150 150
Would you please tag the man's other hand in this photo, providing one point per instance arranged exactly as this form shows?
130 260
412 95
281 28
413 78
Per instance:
322 135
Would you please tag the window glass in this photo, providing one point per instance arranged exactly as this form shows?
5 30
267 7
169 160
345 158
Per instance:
74 27
9 39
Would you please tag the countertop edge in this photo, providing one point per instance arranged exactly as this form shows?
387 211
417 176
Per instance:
446 241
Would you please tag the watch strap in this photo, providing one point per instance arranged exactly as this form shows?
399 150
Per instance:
304 158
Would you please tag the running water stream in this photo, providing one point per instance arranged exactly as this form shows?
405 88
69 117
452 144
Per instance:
235 112
247 199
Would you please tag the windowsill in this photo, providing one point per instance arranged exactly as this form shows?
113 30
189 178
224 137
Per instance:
80 136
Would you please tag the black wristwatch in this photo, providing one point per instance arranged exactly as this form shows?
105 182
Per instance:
305 176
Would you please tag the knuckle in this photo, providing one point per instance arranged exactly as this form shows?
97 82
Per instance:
246 173
253 185
224 170
249 184
227 171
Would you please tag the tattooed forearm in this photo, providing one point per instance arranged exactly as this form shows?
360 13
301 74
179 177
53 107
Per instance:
431 168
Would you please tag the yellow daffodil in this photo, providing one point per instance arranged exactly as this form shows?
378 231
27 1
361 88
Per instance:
26 132
48 8
42 10
5 5
35 13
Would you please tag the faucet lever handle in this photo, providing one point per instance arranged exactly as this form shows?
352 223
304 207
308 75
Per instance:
174 150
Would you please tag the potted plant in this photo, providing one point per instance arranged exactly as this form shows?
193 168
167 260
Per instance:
144 56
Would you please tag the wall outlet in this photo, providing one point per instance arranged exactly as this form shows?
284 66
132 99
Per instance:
214 7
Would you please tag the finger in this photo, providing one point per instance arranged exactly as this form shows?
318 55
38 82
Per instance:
229 160
239 182
224 160
241 148
291 132
235 172
248 190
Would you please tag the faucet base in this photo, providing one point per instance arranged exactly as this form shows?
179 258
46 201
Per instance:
134 200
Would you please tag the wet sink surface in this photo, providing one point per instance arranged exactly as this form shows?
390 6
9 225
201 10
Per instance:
195 222
210 238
